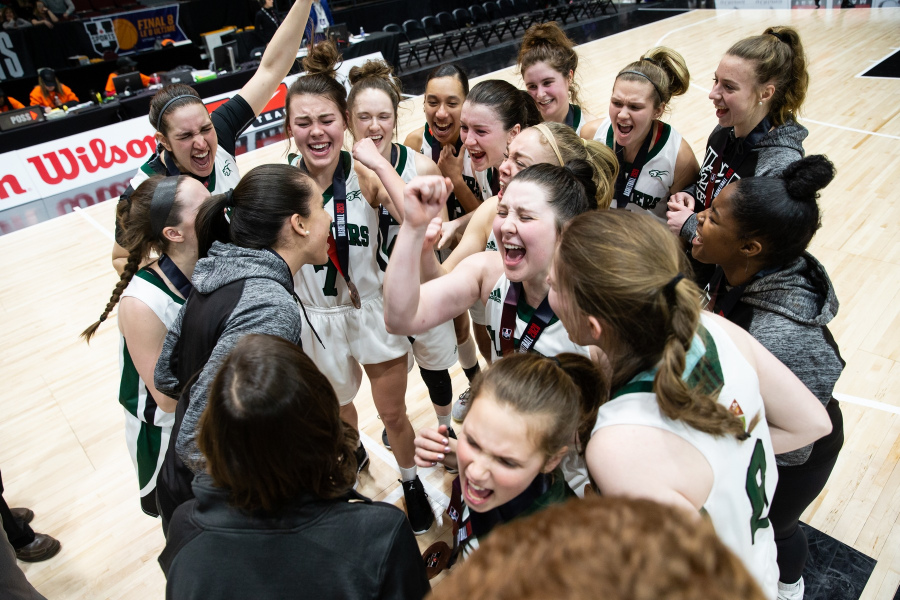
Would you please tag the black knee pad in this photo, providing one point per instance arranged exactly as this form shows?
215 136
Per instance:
440 388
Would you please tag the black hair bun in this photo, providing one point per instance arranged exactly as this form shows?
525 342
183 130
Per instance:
584 173
804 178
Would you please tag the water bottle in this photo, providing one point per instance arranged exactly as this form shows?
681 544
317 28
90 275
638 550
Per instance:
362 32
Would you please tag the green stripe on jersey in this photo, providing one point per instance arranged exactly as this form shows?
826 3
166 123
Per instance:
158 283
147 455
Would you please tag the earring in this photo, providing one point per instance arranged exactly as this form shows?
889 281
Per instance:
760 102
307 232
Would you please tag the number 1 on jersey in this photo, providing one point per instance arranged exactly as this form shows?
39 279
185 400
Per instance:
330 277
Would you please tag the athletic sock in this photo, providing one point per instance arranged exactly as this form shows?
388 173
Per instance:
407 473
445 420
468 356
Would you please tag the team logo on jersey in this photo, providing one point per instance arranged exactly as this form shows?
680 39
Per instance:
226 169
354 195
495 295
491 245
657 173
736 410
506 332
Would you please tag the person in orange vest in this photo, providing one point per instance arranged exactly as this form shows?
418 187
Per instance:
124 65
49 92
7 103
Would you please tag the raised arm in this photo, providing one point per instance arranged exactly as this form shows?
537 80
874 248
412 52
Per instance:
380 182
796 417
411 308
276 61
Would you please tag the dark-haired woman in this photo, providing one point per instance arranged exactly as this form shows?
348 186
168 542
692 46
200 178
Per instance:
757 231
251 242
373 101
446 89
547 62
191 141
654 160
697 408
275 515
759 88
343 293
159 220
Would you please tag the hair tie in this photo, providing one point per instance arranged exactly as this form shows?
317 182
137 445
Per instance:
555 360
650 60
161 204
669 288
551 140
229 199
644 75
583 142
781 37
102 317
168 104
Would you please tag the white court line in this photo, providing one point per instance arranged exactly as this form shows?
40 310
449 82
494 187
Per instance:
94 222
659 41
876 63
387 457
824 124
867 403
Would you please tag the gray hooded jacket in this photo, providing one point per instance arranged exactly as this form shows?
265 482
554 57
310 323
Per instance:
788 312
266 305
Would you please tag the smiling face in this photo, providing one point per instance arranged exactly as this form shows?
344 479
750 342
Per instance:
736 95
631 111
550 90
525 226
443 106
717 240
528 148
191 139
372 116
483 135
498 454
317 126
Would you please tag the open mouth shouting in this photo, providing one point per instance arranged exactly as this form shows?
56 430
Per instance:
479 159
514 254
474 494
377 139
721 111
441 130
201 160
320 149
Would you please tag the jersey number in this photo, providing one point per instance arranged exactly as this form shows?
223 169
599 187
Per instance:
756 490
328 289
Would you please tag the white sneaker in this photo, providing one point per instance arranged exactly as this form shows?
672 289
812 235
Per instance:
791 591
460 407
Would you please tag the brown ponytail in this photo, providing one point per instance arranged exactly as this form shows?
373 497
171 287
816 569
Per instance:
546 42
779 59
665 69
138 238
617 266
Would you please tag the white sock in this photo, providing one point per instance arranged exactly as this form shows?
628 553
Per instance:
445 420
468 356
407 473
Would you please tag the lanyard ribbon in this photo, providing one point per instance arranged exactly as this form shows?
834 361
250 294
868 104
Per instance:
181 283
743 148
570 117
539 321
627 179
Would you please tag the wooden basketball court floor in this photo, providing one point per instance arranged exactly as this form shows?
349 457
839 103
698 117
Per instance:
62 448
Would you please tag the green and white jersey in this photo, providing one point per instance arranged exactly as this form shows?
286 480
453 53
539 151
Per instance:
223 177
491 245
147 428
478 181
651 192
406 169
744 472
322 286
552 341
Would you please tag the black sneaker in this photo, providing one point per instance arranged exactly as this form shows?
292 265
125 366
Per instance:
385 440
418 510
451 470
362 458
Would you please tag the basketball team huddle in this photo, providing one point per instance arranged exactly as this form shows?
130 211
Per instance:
656 359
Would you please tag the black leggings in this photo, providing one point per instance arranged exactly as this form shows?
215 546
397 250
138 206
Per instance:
797 487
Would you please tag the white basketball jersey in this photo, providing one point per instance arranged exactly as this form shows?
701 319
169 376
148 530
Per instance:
224 175
744 472
651 192
321 285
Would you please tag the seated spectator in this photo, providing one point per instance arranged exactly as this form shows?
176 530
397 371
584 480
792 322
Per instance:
275 514
600 547
49 92
63 9
7 103
124 65
42 15
319 20
11 21
267 21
